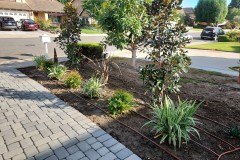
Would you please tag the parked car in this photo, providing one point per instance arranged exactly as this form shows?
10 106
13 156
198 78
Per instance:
7 23
29 24
211 33
187 36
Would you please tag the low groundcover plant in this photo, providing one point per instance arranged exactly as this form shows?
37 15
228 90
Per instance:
120 102
92 88
57 71
73 80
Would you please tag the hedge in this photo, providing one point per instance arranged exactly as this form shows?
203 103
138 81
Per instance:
91 50
223 38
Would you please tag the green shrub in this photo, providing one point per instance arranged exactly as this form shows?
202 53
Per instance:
92 88
91 50
40 61
57 71
233 35
73 80
48 64
234 132
174 122
43 24
120 102
223 38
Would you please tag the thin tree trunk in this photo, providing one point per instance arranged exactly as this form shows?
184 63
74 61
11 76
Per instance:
239 77
134 56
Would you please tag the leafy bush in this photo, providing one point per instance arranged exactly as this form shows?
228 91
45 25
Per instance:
57 71
92 88
48 64
91 50
120 102
234 132
43 24
233 35
223 38
174 122
70 34
73 80
40 61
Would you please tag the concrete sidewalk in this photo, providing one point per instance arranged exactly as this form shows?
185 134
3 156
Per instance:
202 59
35 124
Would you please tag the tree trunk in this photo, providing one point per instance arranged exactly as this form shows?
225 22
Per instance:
239 78
134 56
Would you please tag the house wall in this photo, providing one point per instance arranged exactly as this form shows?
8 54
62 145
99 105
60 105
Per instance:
41 15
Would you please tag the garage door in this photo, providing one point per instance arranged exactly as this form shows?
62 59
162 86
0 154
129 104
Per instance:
15 14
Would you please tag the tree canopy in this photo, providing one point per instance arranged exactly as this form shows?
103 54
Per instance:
232 13
235 4
211 11
123 21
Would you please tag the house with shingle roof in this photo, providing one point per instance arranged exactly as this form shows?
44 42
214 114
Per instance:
84 16
31 9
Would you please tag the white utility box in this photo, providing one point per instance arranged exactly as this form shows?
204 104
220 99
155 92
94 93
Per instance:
45 38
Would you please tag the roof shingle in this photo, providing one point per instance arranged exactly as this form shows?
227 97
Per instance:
34 5
45 5
14 6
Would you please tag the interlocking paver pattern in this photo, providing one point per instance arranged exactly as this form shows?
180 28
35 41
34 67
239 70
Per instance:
35 125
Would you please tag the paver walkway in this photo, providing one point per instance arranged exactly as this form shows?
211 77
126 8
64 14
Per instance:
35 124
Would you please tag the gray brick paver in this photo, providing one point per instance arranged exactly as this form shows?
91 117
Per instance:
36 125
61 153
12 153
76 156
92 154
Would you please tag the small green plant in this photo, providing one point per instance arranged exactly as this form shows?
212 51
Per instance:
120 102
73 80
48 64
92 88
234 132
40 61
57 71
173 122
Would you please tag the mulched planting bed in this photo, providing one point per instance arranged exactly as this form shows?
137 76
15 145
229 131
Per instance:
220 93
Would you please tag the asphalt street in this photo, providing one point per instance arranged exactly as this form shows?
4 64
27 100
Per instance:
23 46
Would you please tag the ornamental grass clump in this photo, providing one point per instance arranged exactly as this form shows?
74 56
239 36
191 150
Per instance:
73 80
40 61
121 102
174 123
57 72
92 88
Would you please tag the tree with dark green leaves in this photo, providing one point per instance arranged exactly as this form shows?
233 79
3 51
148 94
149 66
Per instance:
164 43
93 7
235 4
70 35
122 21
232 13
211 11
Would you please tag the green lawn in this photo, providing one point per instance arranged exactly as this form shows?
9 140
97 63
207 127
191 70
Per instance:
218 46
91 31
197 29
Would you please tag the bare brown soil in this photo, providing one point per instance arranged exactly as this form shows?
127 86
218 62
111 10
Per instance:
221 102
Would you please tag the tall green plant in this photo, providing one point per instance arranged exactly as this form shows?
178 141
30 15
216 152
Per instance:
211 11
122 21
164 43
174 123
70 35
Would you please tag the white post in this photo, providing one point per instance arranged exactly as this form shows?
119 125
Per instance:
46 50
45 39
